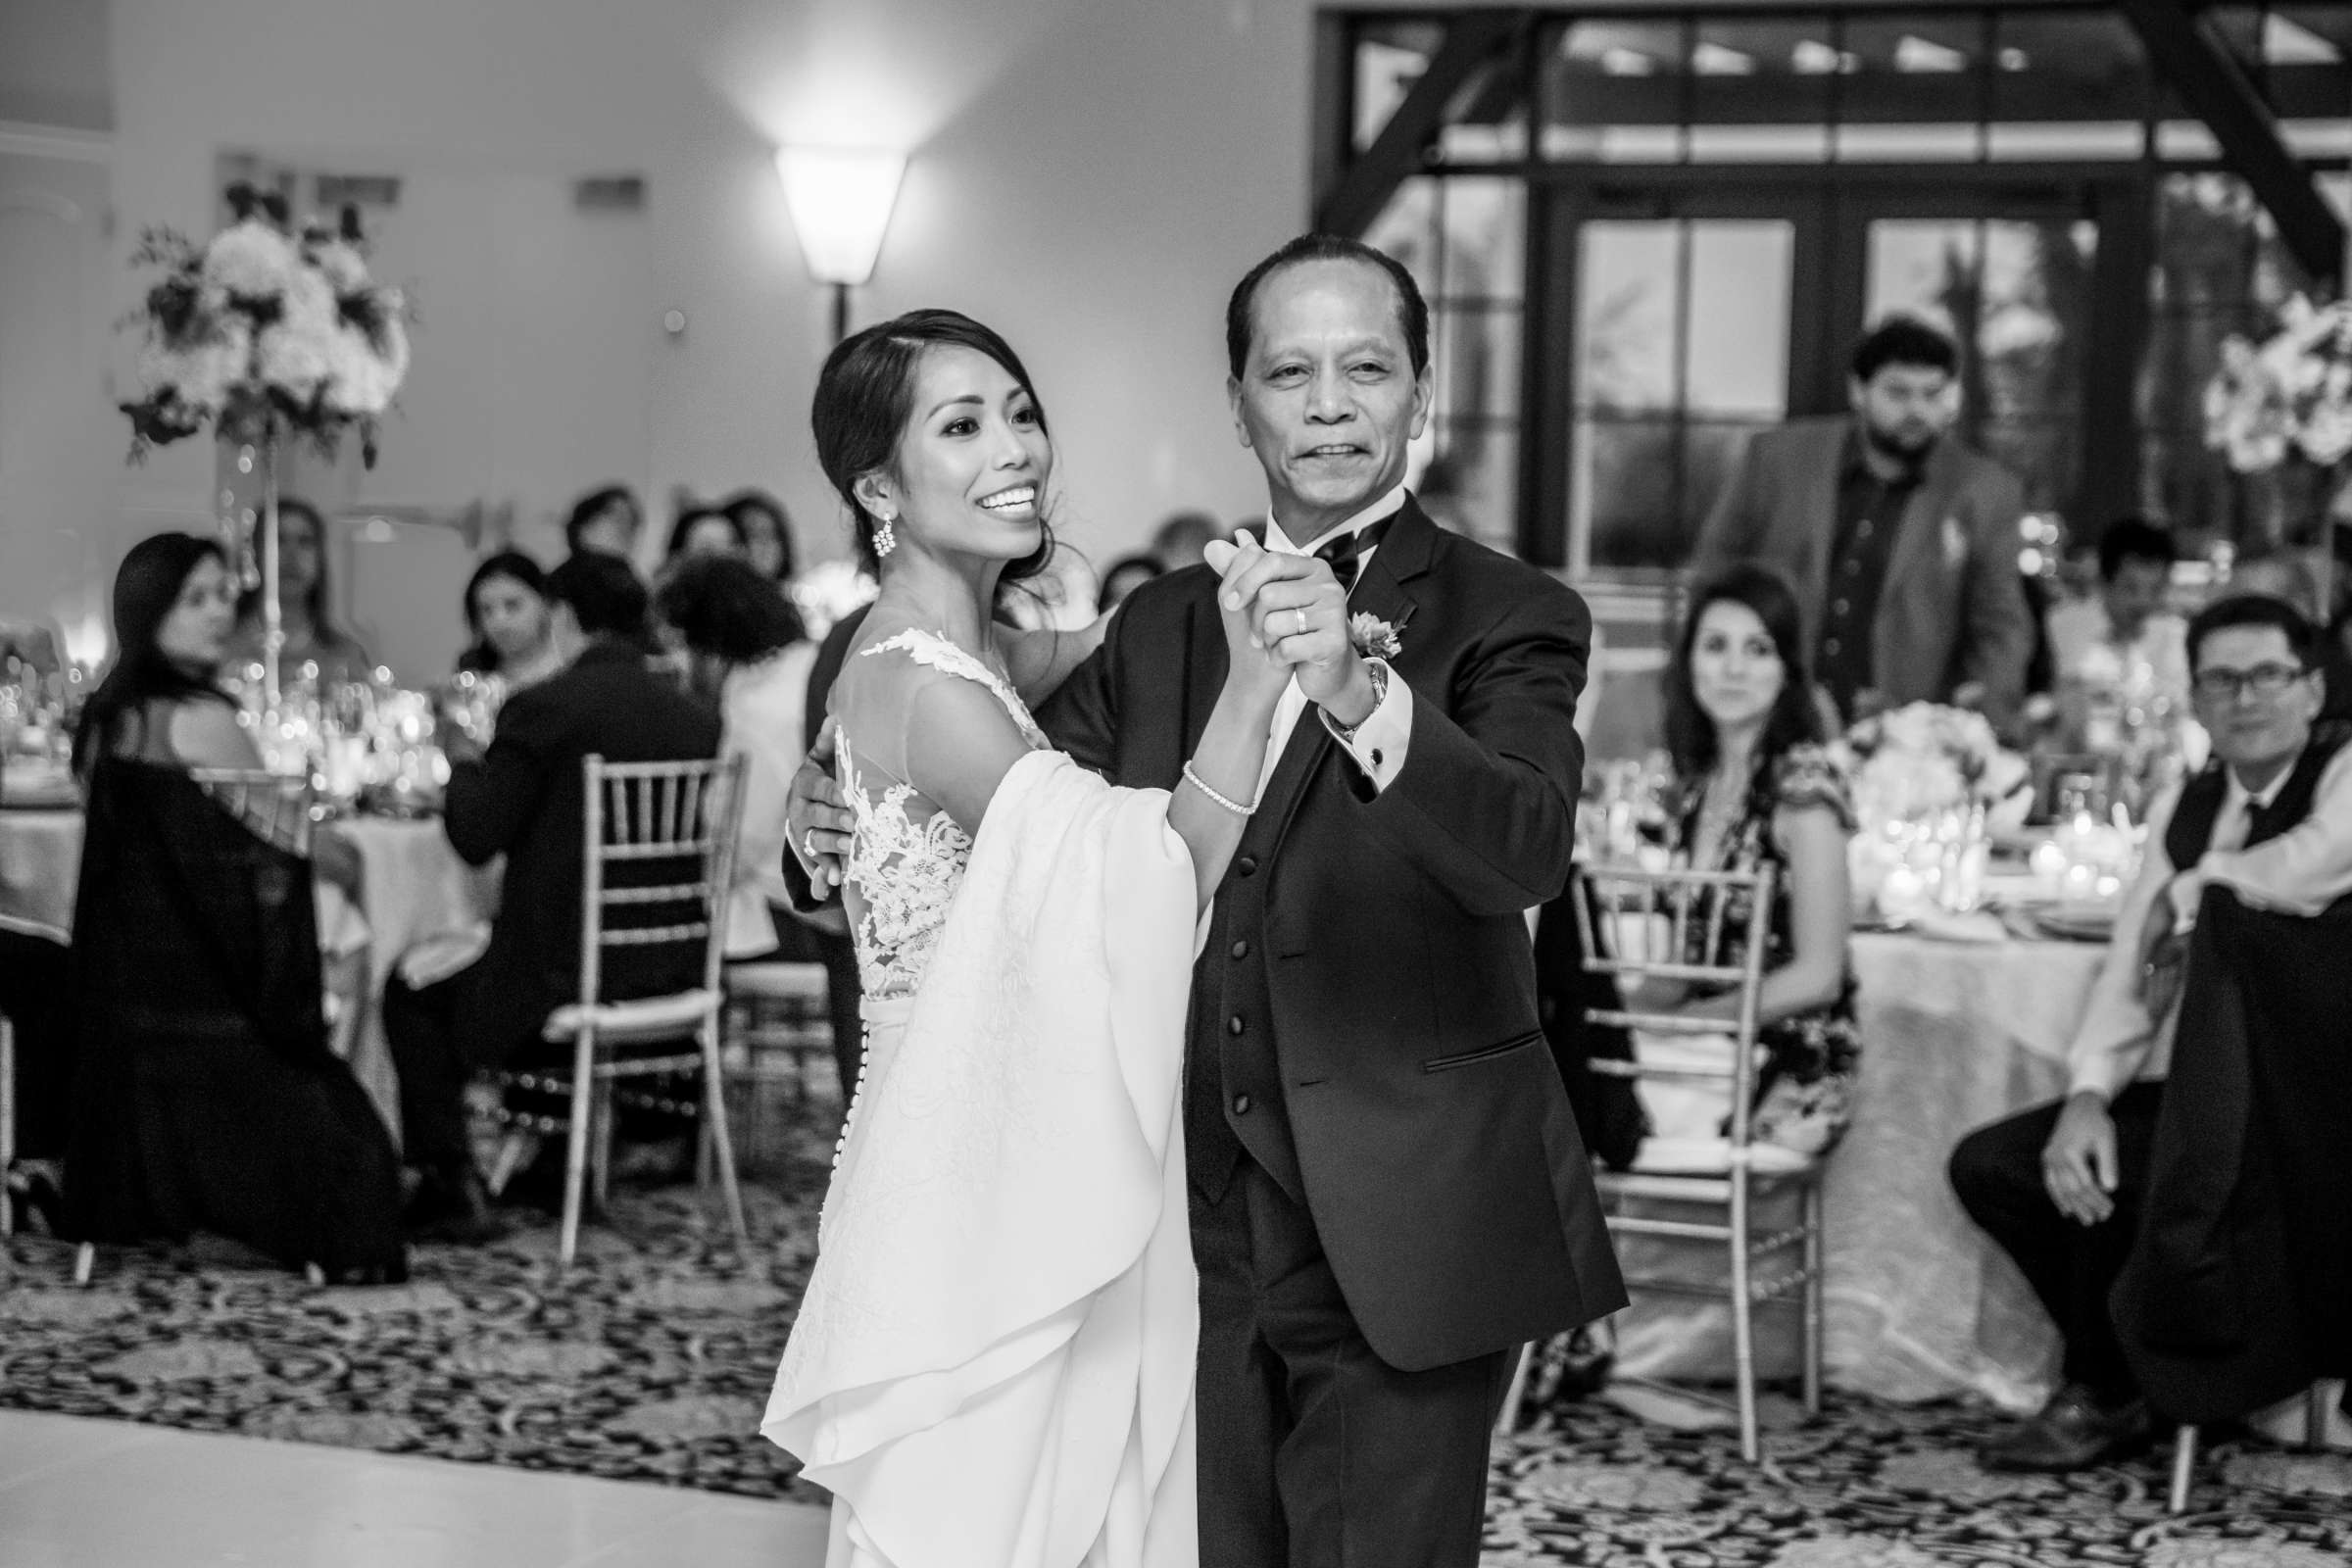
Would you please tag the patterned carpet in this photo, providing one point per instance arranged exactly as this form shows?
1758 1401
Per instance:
651 1363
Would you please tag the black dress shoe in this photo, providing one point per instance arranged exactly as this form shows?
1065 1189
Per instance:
2073 1432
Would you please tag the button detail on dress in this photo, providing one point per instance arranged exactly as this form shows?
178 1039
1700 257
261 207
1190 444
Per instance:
1241 1105
1241 950
1234 1024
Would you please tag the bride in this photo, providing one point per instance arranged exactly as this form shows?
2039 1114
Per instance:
994 1361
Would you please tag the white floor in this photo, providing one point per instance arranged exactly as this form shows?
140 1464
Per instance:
78 1494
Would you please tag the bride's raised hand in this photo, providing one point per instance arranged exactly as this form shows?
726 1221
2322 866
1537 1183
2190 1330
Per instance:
1253 670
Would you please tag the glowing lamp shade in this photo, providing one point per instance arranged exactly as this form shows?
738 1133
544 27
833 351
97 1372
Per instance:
840 199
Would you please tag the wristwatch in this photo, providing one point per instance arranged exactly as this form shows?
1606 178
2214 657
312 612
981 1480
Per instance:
1378 668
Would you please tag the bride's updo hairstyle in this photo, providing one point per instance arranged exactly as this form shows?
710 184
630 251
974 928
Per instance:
865 397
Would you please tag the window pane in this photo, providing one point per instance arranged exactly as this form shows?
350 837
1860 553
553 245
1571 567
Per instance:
1486 239
1759 71
1477 361
1613 91
1390 57
1711 451
1472 484
1626 346
1920 67
1738 355
1623 486
2068 65
1407 229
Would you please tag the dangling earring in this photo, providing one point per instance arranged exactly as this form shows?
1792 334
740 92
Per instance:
885 541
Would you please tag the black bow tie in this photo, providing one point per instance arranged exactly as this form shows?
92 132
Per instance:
1345 552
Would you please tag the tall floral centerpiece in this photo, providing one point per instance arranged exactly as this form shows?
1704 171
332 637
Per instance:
2283 408
1928 781
265 335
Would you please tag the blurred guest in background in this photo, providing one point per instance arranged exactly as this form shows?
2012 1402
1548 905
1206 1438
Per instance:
1125 574
749 654
2059 1188
1902 544
605 522
766 533
1178 542
512 624
524 800
206 1095
35 997
2123 641
705 531
1754 786
311 636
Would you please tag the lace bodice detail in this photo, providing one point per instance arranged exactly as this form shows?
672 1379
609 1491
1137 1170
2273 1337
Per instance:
906 855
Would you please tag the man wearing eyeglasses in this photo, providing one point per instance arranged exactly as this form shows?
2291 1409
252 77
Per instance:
2063 1188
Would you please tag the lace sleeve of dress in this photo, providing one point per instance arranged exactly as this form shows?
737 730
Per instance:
1810 775
937 652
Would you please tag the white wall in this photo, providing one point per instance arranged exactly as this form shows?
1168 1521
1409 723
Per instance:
1088 175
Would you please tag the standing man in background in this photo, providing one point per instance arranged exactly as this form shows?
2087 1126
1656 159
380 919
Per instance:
1901 542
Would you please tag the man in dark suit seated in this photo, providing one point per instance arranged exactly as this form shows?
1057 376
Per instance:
2065 1189
523 798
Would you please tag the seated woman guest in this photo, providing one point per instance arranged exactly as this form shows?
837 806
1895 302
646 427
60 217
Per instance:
512 624
705 531
1754 786
311 635
766 533
207 1098
749 653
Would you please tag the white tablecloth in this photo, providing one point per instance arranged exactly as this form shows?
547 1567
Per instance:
413 886
1954 1035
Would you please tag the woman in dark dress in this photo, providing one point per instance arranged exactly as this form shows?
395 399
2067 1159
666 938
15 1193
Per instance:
206 1095
1754 786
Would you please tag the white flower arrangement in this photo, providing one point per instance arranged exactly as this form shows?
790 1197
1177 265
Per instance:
2289 397
1925 758
263 330
828 591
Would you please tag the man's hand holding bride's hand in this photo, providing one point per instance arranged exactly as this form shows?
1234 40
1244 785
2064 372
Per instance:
817 818
1250 660
1299 613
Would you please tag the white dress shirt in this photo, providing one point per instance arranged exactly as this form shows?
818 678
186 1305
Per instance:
1379 742
2301 871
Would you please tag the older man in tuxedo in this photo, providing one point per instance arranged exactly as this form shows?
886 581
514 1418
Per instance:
1901 542
1389 1195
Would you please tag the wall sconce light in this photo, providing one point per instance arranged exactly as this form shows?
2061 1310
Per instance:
840 199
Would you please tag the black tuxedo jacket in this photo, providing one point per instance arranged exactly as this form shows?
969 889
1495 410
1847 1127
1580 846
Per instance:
524 800
1368 995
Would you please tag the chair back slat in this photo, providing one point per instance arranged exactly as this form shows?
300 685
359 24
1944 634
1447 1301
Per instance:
1676 926
658 857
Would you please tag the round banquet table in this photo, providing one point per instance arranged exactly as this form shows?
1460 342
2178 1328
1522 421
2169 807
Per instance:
413 886
1920 1305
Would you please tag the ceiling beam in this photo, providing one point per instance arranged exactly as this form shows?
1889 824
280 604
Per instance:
2200 70
1363 185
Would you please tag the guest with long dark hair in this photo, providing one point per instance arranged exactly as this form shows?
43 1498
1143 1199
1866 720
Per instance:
750 656
766 533
705 531
605 522
206 1097
512 623
303 612
1754 786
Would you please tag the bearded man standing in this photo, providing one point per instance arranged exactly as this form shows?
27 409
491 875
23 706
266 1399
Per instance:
1901 542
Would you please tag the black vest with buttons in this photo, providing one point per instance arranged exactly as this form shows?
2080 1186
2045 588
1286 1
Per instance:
1233 1099
2191 831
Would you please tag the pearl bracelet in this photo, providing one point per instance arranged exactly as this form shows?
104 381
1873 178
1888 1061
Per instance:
1201 784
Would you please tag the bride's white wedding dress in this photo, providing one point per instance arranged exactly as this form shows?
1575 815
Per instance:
993 1365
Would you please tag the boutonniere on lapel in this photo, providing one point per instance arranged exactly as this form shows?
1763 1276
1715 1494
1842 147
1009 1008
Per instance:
1955 544
1374 638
